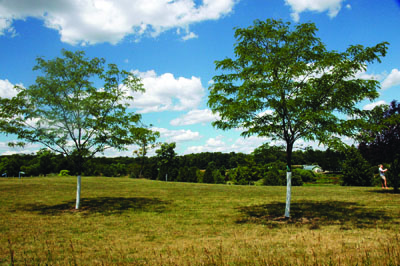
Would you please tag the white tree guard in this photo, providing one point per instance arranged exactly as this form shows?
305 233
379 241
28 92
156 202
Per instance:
78 192
288 193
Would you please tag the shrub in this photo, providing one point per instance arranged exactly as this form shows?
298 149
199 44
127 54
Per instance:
64 173
218 177
356 170
305 175
274 177
241 175
296 180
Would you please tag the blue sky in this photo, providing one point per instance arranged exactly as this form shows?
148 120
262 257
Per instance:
172 46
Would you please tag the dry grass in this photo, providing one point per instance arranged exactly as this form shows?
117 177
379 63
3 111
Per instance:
140 222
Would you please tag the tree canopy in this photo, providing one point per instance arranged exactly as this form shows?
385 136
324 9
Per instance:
166 156
66 112
381 141
286 85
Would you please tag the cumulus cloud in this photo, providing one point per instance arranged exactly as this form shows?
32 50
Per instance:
220 144
365 75
95 21
248 145
28 149
189 36
166 93
393 79
373 105
195 117
216 144
7 89
177 135
298 6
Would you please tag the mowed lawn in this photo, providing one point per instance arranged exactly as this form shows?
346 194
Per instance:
141 222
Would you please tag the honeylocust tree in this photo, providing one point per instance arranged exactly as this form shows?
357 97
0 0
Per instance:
66 112
283 83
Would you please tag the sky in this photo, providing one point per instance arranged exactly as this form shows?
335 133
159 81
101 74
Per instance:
172 45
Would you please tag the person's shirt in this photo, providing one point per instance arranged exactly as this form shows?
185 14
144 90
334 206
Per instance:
381 172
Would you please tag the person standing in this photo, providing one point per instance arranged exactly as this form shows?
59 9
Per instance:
382 175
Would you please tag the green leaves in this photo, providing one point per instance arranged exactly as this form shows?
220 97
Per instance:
284 83
68 112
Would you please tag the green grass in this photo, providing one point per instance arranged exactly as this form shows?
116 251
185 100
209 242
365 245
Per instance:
140 222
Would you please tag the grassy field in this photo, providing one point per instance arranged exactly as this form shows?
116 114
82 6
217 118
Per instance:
140 222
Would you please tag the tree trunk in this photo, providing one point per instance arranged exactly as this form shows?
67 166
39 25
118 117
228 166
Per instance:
79 163
288 193
78 192
289 149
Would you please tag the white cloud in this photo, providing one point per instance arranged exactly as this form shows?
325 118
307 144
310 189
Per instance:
364 75
218 144
166 92
7 89
215 142
393 79
189 36
177 135
195 117
28 149
372 105
112 152
95 21
248 145
298 6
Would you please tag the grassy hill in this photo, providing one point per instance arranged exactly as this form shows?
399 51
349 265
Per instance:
140 222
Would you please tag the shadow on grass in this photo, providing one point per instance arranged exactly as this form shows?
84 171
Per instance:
348 215
385 191
102 205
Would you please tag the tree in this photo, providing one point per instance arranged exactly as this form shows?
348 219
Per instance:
266 154
394 173
10 165
218 178
66 112
183 174
380 141
208 174
285 84
165 161
356 170
145 139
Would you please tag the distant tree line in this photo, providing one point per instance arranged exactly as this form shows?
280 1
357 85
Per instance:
206 167
379 144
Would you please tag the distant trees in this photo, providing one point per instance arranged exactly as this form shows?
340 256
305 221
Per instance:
188 168
145 139
166 162
381 140
11 165
356 170
208 174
